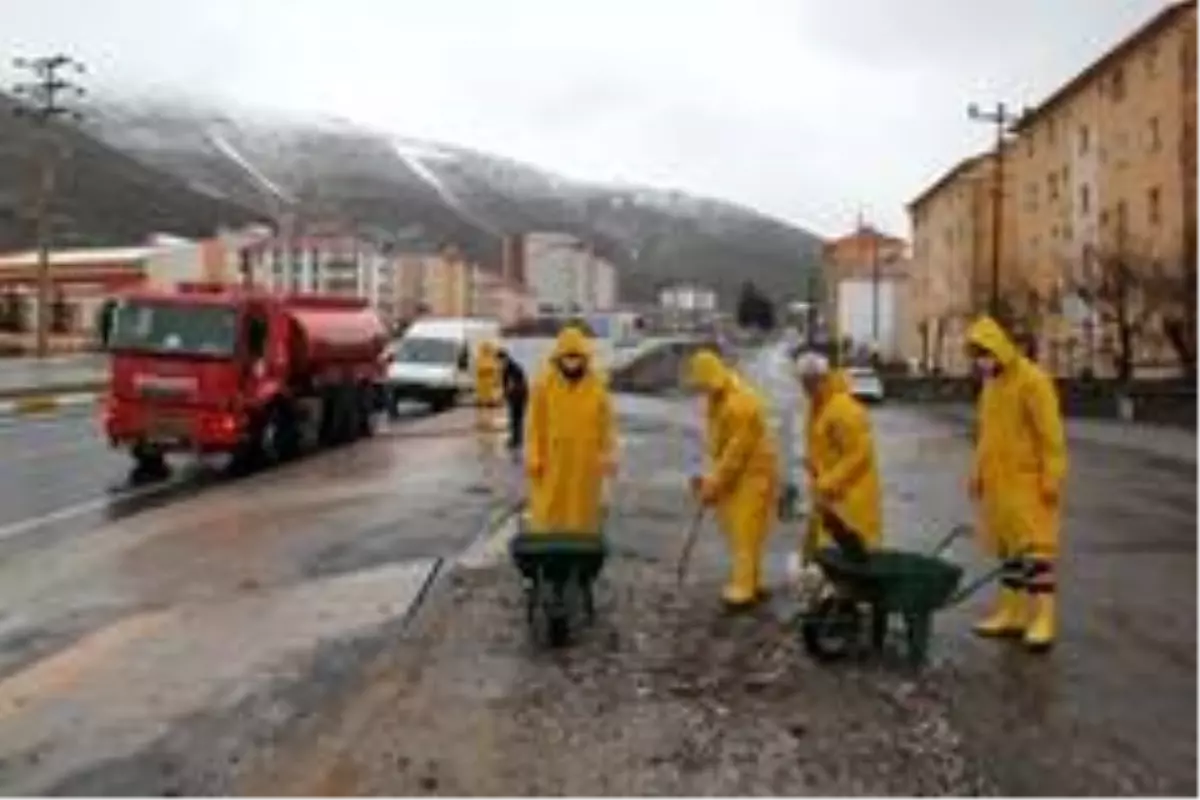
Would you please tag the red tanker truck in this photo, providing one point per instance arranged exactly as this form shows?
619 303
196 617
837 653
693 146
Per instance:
222 369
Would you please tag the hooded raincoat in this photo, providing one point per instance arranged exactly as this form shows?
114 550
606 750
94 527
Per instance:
1020 457
743 480
487 374
570 443
841 451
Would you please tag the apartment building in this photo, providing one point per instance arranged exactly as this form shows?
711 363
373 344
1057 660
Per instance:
870 312
338 264
446 284
564 273
1098 209
953 258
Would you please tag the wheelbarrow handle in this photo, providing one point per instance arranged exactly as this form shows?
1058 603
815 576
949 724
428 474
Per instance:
981 581
957 532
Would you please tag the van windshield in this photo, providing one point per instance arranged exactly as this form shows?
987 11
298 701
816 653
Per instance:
426 351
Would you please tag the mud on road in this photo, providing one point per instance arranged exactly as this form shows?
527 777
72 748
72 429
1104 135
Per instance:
664 696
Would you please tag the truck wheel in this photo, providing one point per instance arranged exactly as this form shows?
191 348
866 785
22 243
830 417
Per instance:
351 414
148 464
392 402
276 438
287 432
328 428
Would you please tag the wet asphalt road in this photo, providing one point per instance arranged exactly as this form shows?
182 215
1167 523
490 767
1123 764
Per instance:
1113 709
123 611
195 617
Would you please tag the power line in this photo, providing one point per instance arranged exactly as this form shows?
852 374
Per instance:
42 99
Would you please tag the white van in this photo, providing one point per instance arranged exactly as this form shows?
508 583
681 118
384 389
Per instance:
433 362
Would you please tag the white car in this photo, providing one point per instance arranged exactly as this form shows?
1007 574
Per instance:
865 384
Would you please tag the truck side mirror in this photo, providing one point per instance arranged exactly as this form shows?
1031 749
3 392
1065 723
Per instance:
104 321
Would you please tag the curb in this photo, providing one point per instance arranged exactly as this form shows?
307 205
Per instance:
42 404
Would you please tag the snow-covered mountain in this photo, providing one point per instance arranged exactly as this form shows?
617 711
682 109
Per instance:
420 193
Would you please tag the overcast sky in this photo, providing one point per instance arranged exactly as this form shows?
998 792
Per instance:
805 109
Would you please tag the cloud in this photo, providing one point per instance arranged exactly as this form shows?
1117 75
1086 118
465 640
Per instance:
806 110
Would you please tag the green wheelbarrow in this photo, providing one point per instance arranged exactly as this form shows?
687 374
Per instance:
866 590
559 572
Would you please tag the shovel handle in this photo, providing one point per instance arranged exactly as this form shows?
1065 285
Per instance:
688 543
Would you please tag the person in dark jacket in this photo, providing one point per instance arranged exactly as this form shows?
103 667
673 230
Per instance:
516 397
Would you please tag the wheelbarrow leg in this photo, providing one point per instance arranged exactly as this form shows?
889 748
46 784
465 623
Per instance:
879 626
918 628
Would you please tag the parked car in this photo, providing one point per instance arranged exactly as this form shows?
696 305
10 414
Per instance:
865 384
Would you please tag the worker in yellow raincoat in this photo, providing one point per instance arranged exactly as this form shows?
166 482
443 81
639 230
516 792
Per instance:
570 443
487 385
743 480
1017 476
842 468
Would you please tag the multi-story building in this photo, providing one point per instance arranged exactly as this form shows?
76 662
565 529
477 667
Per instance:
954 270
565 274
866 275
446 284
1105 174
334 264
1097 207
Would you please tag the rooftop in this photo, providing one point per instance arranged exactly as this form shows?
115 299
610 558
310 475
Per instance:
98 256
1159 22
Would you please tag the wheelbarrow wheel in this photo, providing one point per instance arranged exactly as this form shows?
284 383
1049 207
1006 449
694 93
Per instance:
831 631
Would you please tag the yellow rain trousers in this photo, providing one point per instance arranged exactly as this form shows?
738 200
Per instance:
1019 467
845 472
487 386
743 481
569 443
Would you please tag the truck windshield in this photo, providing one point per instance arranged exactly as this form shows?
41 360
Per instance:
174 329
426 351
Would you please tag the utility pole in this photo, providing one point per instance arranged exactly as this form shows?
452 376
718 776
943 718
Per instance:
41 100
1002 118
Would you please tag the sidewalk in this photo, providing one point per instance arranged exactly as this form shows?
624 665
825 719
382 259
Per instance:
25 376
1154 440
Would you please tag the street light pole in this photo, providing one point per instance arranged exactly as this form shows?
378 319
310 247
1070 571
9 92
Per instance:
1002 118
41 101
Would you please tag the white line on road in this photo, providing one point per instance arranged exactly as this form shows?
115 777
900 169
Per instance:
78 509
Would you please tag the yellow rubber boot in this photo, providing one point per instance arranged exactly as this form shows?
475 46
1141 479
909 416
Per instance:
1009 617
741 591
1039 637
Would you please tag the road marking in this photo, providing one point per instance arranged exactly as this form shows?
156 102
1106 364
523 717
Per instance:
59 450
79 509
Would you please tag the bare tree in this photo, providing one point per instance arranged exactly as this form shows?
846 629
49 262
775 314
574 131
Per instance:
1133 298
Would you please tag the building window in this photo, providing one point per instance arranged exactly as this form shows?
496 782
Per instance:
1155 135
1104 218
1187 61
1052 186
1029 146
1152 61
1050 133
1085 198
1117 84
1122 216
1085 140
1155 205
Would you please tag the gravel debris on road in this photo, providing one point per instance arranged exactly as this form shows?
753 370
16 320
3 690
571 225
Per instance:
665 695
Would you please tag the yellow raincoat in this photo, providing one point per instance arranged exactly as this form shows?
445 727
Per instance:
1020 453
844 476
487 374
744 478
570 443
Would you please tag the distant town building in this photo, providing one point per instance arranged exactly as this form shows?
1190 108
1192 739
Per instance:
866 275
562 272
81 278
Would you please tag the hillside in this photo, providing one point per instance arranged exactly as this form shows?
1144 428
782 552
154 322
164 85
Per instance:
416 193
103 196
